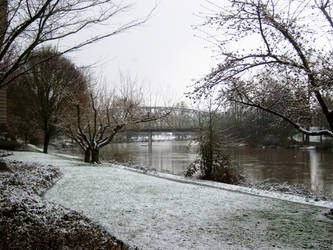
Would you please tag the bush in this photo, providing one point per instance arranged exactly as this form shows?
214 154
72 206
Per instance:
10 145
214 161
221 170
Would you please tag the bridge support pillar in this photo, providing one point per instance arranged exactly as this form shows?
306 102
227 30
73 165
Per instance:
150 141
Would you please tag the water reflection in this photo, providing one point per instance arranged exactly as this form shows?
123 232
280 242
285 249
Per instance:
306 167
171 156
317 182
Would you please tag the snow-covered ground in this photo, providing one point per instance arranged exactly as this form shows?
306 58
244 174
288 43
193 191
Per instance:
168 212
29 222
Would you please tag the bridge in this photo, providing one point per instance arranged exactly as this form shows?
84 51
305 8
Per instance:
179 120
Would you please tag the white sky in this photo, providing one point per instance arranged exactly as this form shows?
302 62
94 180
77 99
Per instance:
164 54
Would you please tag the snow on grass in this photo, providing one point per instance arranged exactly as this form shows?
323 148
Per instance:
311 200
29 222
154 213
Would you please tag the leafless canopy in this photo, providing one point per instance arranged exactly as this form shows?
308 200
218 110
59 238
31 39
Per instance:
26 24
276 55
93 123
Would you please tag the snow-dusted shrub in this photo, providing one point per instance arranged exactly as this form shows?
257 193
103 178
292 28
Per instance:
214 162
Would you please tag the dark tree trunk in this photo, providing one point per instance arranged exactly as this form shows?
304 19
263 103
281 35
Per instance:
210 150
87 155
3 19
307 139
209 168
95 156
46 141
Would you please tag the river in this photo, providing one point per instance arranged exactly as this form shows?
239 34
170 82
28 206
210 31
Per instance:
311 168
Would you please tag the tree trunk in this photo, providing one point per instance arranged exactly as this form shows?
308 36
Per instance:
210 150
87 155
307 139
3 19
209 168
95 156
46 141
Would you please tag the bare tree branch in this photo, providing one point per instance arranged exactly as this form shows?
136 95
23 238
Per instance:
286 46
26 25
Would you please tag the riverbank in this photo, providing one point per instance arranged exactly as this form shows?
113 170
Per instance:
293 171
153 213
29 222
275 191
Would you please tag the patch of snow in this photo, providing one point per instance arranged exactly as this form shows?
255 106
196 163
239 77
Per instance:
35 148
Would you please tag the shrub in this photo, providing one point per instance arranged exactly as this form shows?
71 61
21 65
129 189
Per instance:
10 145
215 158
214 163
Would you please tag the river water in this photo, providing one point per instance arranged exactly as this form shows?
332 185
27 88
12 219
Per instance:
311 168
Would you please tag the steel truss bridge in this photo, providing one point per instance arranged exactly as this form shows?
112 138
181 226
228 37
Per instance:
178 120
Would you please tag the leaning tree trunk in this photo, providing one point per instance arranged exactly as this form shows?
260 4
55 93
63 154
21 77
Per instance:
95 155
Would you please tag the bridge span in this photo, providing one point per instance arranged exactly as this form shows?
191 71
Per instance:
179 120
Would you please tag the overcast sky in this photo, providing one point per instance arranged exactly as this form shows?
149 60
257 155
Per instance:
163 54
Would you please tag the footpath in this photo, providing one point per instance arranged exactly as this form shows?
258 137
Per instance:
170 212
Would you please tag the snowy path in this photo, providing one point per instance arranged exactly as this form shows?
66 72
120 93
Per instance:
154 213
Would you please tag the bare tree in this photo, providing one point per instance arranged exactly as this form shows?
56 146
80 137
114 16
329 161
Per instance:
26 25
214 160
94 124
274 47
47 89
